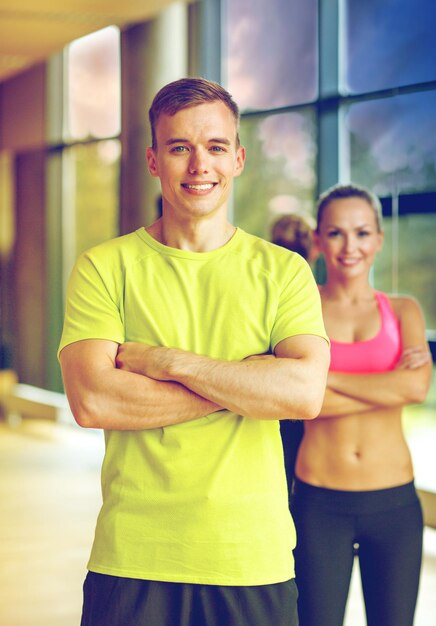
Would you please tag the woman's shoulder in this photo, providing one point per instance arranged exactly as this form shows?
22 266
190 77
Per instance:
402 304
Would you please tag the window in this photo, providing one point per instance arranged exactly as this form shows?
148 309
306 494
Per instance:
372 122
91 156
271 65
280 167
390 143
271 52
391 150
388 43
91 195
93 86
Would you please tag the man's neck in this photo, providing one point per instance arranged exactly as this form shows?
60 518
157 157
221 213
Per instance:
201 236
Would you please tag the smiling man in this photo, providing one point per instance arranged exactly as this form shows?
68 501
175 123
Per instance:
186 342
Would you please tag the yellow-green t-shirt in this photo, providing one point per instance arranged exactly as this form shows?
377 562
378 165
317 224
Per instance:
205 501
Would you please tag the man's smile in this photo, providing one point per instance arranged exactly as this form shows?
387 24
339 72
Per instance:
198 186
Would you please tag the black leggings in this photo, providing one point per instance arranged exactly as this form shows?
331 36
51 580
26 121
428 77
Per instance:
384 528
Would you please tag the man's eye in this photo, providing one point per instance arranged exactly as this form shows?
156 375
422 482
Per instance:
333 233
217 149
364 233
179 149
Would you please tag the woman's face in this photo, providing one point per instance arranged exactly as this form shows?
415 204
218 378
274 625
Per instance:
349 237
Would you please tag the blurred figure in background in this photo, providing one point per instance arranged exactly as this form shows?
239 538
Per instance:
294 232
354 488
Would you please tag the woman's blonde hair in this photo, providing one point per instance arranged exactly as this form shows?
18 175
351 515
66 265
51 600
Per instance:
339 192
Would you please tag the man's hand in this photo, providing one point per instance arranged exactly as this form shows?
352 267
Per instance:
149 361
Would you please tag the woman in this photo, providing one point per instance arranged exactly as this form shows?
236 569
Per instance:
354 490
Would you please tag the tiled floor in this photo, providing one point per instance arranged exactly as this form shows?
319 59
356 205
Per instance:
49 499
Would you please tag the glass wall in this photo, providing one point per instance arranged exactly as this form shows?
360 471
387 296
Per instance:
281 155
388 43
270 62
83 165
271 52
374 116
93 98
91 148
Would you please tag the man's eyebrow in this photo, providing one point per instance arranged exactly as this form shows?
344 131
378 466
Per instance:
173 140
222 140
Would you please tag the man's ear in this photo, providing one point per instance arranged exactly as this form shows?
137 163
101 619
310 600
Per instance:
151 161
240 161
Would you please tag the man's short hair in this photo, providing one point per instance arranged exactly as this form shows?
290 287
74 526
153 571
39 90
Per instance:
185 93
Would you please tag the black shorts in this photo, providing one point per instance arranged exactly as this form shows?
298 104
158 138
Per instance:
115 601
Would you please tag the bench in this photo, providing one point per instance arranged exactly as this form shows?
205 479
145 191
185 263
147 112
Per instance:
28 401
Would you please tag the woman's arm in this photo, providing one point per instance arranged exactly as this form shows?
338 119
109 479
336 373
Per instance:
337 404
409 382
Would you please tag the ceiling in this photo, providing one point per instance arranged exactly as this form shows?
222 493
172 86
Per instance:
32 30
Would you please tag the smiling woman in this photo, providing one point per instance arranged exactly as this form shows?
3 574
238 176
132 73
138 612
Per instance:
354 474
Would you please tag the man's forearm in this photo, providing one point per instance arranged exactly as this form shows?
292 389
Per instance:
102 396
277 388
126 403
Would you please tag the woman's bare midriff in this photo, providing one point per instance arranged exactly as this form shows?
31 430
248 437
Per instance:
355 453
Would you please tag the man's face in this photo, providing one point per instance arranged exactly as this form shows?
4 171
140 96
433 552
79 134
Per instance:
196 160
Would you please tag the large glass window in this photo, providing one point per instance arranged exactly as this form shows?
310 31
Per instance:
280 169
91 157
389 143
271 52
390 149
389 43
373 123
91 192
93 86
403 266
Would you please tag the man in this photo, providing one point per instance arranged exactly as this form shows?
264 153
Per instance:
159 330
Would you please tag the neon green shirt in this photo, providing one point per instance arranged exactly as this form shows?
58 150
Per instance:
204 501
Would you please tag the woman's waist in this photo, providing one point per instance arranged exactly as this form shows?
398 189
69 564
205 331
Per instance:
356 501
351 454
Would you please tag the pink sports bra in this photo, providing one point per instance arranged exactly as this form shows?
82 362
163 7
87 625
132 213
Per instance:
379 354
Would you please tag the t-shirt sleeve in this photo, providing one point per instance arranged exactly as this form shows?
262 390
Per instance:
93 308
299 309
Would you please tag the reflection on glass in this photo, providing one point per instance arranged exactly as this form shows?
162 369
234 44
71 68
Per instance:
279 174
91 173
391 143
271 52
93 86
389 43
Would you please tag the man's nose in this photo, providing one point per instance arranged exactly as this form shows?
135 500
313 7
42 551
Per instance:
198 163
